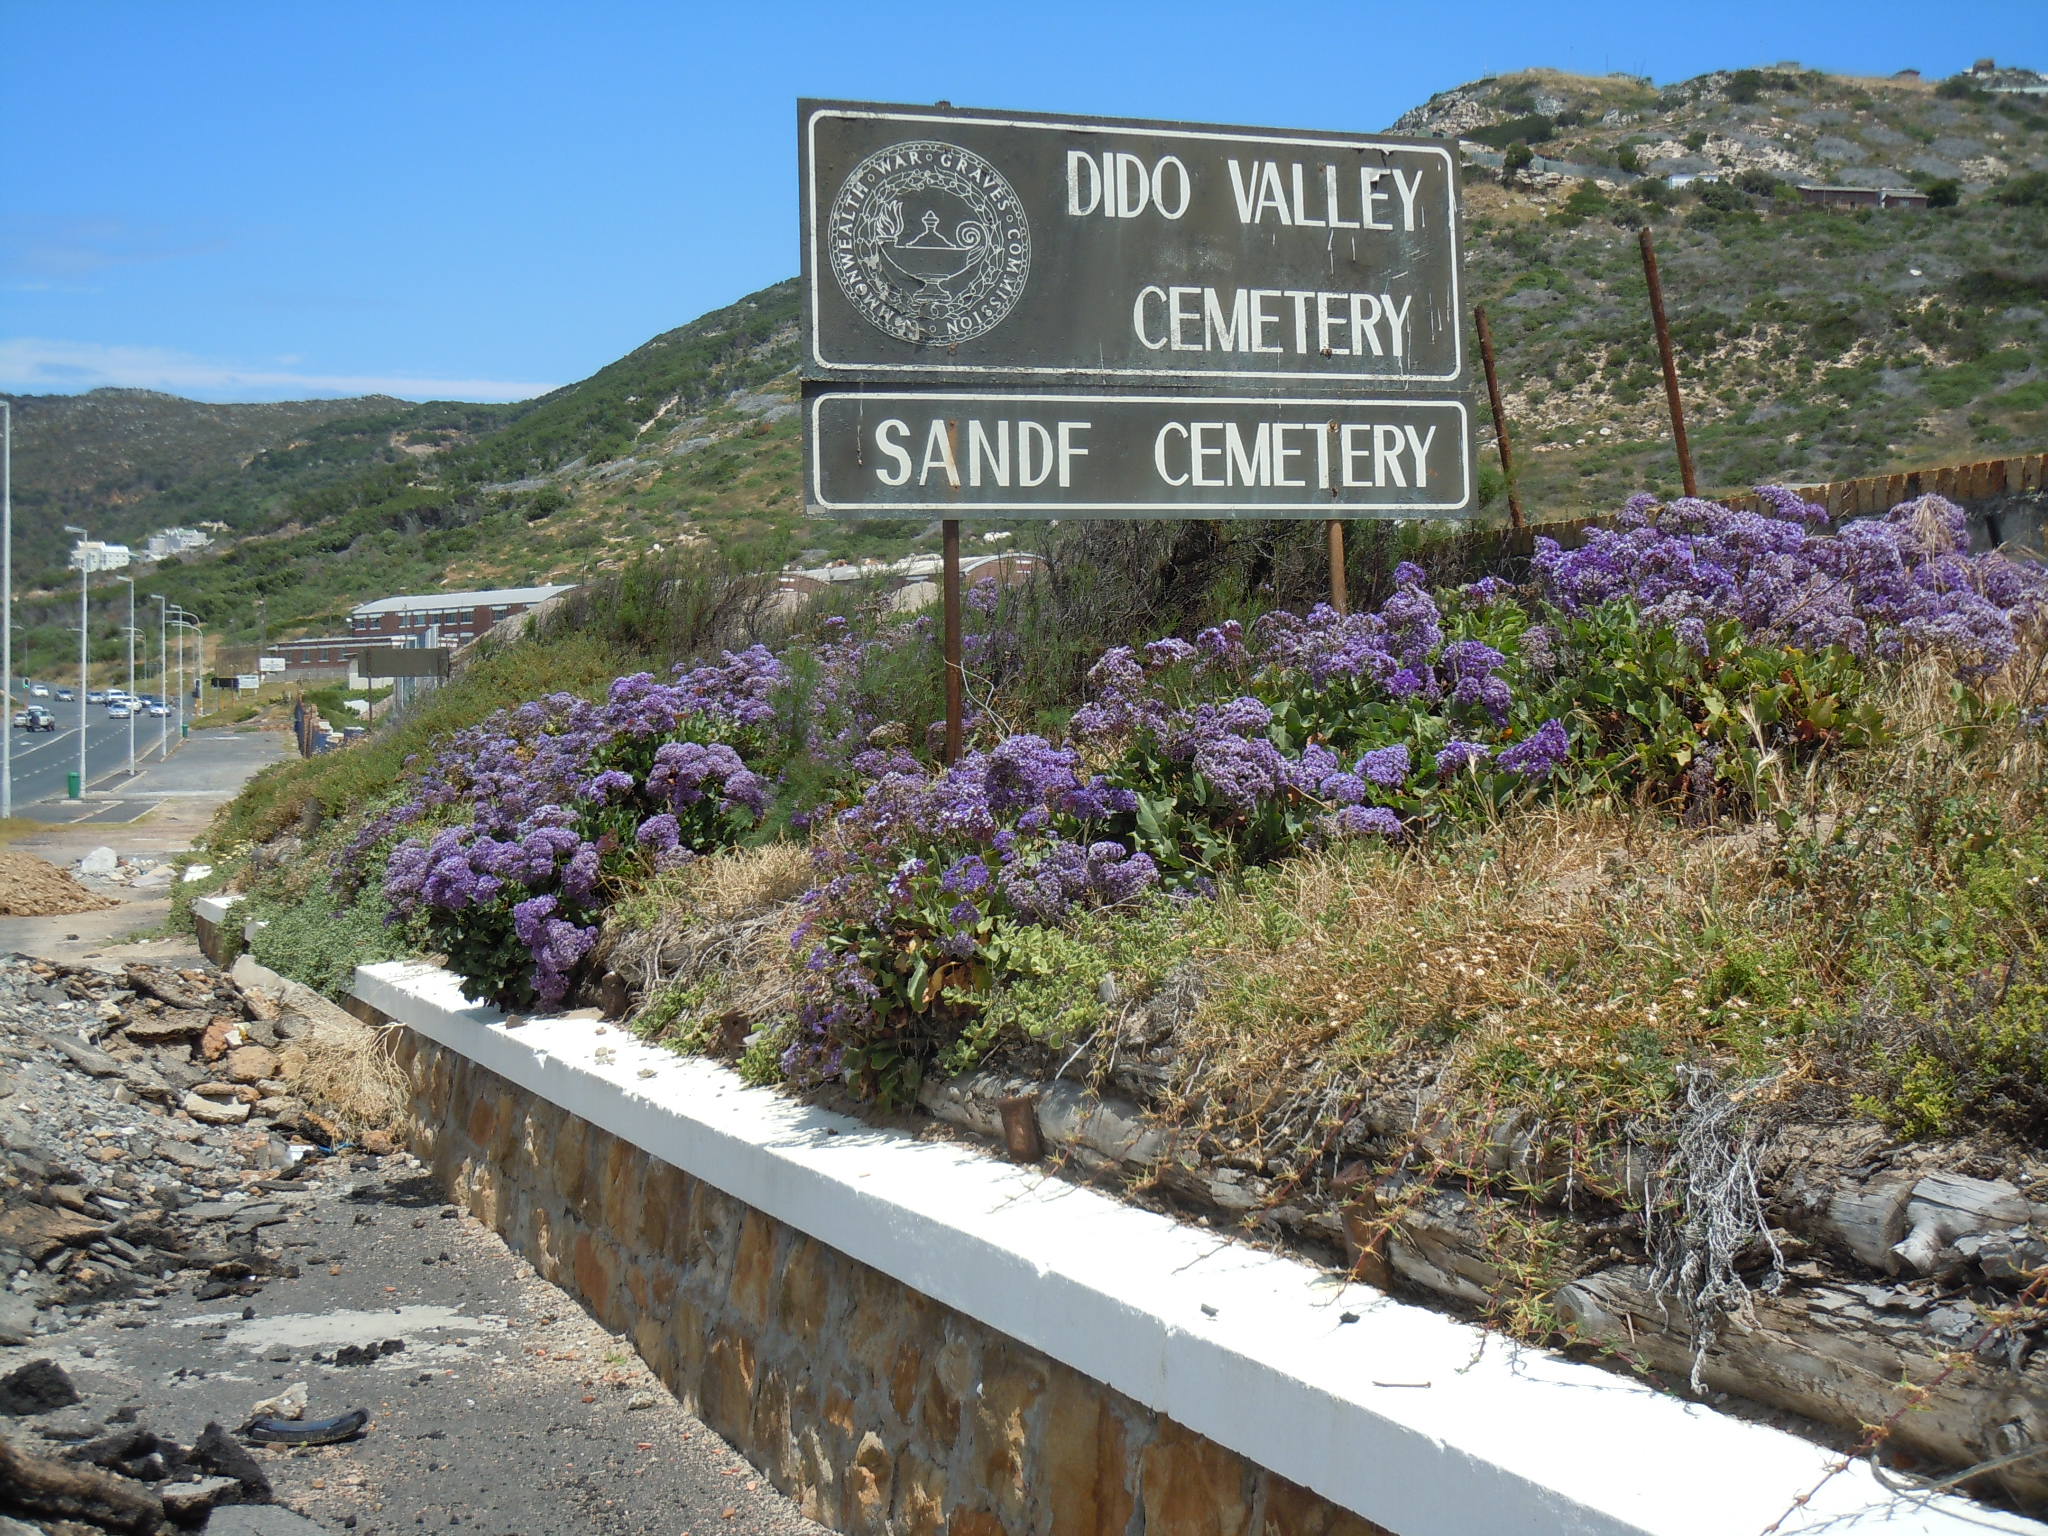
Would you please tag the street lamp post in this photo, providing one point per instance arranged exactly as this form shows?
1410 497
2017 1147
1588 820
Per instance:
163 678
180 626
84 641
185 620
131 672
7 605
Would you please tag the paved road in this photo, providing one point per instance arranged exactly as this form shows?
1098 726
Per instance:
43 758
507 1412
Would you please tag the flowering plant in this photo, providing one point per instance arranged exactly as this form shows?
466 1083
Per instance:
921 884
1679 657
564 799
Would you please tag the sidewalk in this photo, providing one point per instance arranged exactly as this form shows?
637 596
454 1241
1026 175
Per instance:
156 814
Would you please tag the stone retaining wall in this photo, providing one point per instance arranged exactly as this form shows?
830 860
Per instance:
876 1408
219 939
908 1335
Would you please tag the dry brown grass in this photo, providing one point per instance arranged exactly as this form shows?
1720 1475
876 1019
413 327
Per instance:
348 1072
740 881
1563 973
1551 968
718 929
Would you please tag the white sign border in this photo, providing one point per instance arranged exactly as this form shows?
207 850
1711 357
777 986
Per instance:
816 505
817 356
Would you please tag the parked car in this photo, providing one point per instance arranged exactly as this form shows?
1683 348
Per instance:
34 718
39 691
117 709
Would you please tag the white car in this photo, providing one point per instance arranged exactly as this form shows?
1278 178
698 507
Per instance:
158 711
39 691
117 709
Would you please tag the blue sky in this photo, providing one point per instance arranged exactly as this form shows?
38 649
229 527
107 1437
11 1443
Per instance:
482 201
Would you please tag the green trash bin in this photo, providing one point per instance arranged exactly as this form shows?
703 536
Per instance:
184 731
73 790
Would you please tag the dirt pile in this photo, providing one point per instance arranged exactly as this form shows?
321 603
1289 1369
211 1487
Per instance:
29 887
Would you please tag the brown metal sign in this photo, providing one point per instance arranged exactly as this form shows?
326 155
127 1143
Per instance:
882 453
1019 249
402 661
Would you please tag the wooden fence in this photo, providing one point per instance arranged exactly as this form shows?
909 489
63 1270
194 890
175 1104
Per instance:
1506 551
1958 482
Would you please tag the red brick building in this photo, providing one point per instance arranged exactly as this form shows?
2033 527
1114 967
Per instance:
458 617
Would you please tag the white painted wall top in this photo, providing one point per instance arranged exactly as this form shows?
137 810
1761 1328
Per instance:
1425 1424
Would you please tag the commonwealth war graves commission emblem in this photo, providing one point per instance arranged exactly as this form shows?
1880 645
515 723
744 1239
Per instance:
929 243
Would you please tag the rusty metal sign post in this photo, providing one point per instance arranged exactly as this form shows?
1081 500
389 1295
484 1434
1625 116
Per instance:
1670 358
1500 417
1032 316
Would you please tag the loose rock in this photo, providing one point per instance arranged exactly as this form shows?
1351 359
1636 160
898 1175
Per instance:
100 864
250 1064
166 1028
214 1111
38 1387
186 1502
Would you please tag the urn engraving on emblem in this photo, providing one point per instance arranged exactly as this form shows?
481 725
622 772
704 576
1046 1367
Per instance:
929 243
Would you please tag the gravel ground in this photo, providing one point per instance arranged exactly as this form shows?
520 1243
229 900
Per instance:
504 1407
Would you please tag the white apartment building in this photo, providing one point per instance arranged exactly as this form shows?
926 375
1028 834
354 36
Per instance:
97 555
174 541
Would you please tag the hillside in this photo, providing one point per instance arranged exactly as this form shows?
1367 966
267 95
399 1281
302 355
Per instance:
128 461
1814 344
366 501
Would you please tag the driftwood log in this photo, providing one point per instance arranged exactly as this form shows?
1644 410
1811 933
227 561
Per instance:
1827 1345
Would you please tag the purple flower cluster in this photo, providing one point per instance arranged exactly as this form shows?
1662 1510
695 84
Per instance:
684 773
1017 833
1538 756
549 798
1878 586
1066 875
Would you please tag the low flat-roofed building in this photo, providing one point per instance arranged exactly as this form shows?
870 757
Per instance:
1005 569
1863 197
326 654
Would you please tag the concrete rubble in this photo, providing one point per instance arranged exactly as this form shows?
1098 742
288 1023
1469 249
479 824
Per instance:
103 869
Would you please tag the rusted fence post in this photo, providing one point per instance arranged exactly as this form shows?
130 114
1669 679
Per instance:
1500 417
1670 364
1340 591
956 675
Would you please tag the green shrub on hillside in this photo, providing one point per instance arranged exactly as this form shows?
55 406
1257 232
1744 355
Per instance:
2027 191
1531 129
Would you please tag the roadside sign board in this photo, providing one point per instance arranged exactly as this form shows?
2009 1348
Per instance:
1016 249
270 664
402 661
248 682
882 453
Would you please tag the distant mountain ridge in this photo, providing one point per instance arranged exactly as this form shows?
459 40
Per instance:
109 457
1814 346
